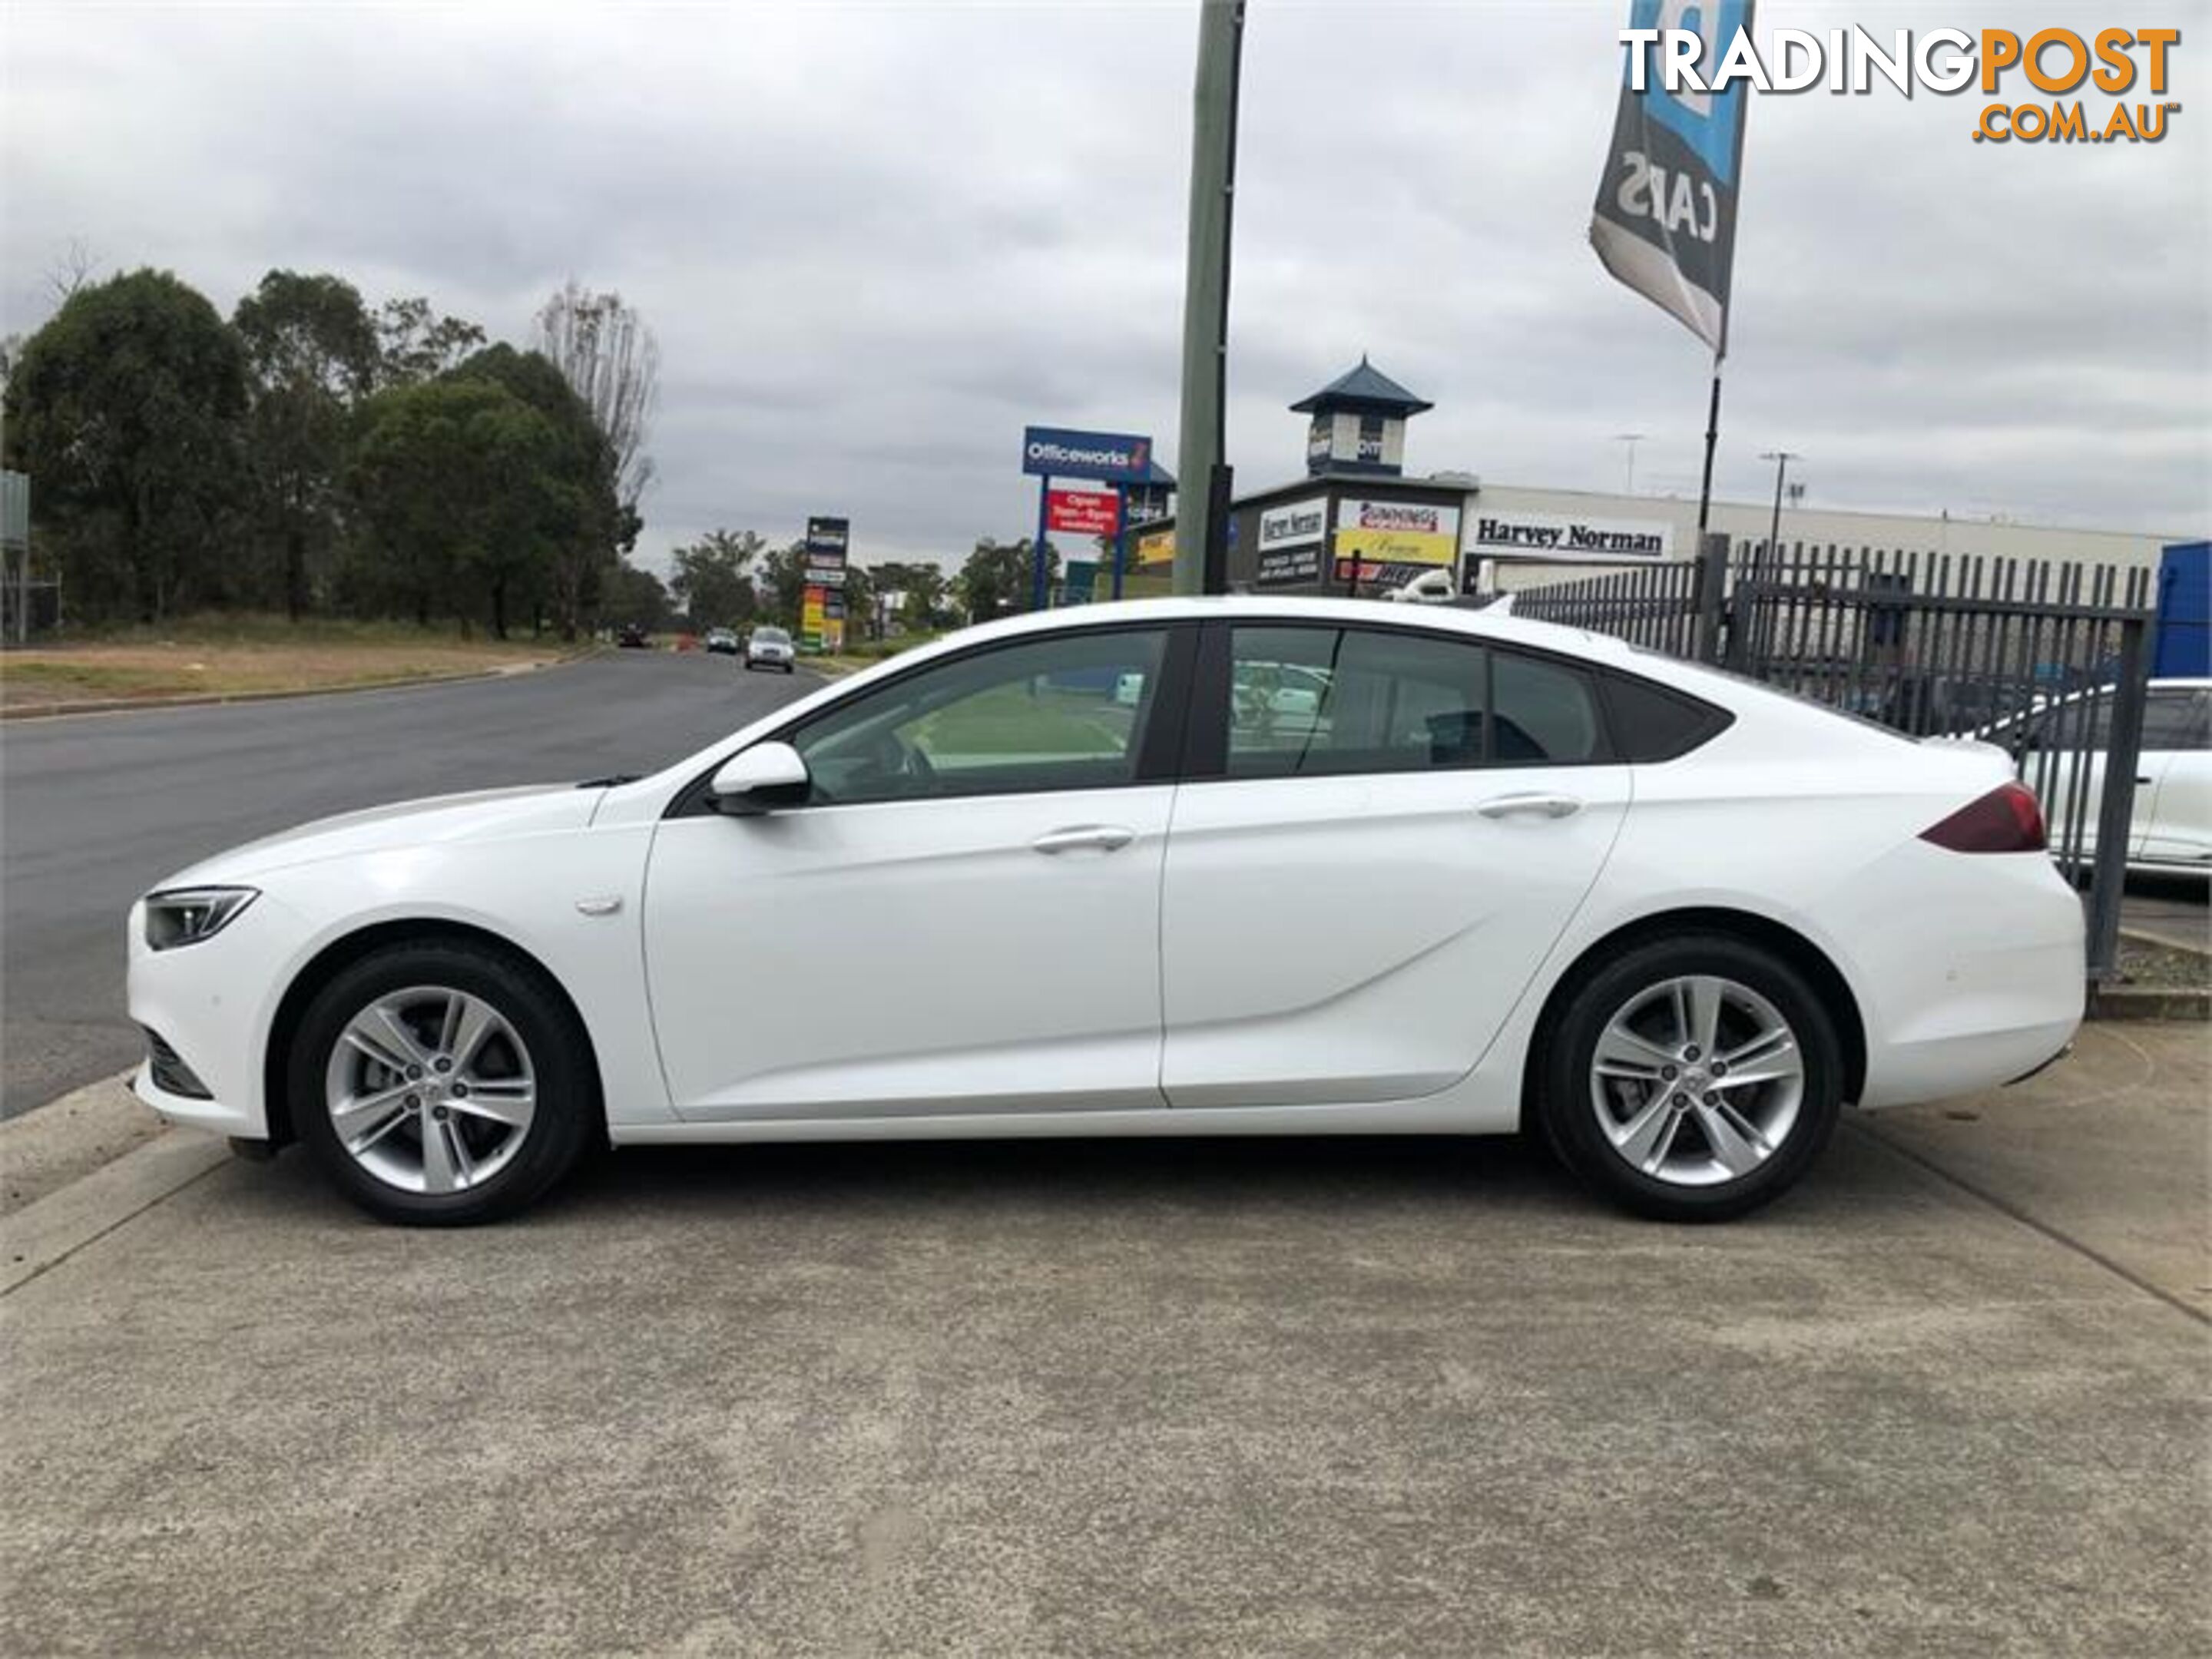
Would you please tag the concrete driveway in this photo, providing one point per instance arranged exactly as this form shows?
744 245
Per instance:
1166 1398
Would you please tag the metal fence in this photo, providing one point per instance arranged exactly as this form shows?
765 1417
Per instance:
2050 661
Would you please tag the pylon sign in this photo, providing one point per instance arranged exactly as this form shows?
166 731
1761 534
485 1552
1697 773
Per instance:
821 625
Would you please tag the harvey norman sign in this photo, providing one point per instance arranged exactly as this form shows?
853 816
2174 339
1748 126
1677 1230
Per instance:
1563 537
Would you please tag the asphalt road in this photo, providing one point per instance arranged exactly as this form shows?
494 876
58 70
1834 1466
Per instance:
98 808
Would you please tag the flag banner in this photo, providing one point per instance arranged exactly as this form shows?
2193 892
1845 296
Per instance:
1665 223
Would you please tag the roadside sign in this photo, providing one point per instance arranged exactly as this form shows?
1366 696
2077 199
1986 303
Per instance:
1052 451
821 624
1083 512
14 509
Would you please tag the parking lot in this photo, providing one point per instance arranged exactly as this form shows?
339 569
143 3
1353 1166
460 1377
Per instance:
1368 1396
1249 1396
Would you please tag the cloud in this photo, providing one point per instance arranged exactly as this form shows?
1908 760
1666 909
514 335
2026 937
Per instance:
875 240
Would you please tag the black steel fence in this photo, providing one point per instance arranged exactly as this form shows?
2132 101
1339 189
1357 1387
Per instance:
2048 660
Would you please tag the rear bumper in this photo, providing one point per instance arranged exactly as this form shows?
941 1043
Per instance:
1970 970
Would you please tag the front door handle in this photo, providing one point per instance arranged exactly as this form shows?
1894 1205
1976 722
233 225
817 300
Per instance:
1534 804
1085 837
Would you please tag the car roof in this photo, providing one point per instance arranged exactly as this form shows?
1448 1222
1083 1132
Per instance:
1252 607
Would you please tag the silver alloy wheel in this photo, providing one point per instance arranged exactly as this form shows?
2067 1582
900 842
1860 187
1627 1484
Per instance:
430 1089
1696 1080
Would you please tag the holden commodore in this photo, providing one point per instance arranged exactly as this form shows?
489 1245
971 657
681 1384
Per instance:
1056 876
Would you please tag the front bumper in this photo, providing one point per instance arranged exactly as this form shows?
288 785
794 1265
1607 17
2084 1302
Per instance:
205 1002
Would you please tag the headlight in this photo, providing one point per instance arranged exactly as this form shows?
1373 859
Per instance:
185 916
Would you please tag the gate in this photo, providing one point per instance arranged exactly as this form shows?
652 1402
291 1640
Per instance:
2050 661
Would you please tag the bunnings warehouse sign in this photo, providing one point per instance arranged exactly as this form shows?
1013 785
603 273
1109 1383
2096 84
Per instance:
1388 543
1558 535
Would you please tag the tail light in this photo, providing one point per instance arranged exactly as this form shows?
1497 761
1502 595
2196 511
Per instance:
2006 820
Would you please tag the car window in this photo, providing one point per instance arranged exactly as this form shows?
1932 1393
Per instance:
1651 723
1316 702
1544 713
2174 721
1068 713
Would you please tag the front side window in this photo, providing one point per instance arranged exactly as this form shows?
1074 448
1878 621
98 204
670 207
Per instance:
1067 713
1318 702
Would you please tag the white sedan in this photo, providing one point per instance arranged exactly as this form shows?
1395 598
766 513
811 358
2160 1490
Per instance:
2060 749
770 647
1512 874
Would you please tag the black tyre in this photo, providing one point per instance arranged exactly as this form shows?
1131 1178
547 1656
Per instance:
442 1084
1692 1079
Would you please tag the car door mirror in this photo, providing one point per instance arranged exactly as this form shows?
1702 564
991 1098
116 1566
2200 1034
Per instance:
759 780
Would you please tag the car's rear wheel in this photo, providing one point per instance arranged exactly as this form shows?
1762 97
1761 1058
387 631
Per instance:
442 1084
1692 1079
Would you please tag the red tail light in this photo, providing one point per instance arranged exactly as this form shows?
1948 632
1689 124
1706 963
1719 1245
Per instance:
2006 820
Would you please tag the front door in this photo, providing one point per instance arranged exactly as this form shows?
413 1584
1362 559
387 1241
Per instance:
1399 828
963 914
2174 811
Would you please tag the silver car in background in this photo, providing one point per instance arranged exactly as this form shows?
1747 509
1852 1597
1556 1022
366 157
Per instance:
770 647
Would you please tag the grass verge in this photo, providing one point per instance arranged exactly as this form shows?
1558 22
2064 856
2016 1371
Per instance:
232 656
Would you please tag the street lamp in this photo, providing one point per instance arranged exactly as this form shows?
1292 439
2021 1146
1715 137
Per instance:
1781 458
1632 439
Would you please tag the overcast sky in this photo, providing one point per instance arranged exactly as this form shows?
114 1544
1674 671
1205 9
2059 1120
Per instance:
875 240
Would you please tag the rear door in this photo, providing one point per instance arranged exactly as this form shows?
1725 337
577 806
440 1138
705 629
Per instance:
1382 834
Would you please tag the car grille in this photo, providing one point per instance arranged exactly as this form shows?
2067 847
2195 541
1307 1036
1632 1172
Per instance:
171 1075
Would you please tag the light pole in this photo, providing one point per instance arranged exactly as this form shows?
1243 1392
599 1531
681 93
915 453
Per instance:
1632 439
1781 458
1202 511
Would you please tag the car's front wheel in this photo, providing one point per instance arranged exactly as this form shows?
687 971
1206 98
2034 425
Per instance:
1692 1079
442 1084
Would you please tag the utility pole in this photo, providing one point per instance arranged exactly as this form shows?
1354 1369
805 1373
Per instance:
1781 458
1202 513
1632 439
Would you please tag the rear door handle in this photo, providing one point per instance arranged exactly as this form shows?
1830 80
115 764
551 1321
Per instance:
1085 837
1535 804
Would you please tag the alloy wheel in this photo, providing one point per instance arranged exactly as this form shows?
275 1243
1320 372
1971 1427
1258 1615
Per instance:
430 1089
1696 1080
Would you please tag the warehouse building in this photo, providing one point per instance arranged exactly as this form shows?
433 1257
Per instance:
1357 522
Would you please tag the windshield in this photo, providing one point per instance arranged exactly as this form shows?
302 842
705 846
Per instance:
771 637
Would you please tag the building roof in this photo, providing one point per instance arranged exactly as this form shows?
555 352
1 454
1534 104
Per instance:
1363 387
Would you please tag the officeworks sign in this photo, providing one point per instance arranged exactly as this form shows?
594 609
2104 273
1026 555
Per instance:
1051 451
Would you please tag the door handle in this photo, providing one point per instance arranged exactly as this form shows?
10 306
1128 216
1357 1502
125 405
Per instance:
1085 837
1535 804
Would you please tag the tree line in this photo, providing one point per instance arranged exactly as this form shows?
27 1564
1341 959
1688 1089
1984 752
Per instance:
311 454
735 578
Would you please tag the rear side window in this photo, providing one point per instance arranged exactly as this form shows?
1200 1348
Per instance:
1651 723
1542 714
1319 701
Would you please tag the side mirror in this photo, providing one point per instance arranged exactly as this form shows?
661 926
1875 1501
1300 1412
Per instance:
759 780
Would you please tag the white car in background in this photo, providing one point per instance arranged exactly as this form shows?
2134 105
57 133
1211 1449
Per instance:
1505 873
770 647
2060 750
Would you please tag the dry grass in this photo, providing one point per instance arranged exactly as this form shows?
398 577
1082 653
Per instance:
246 657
